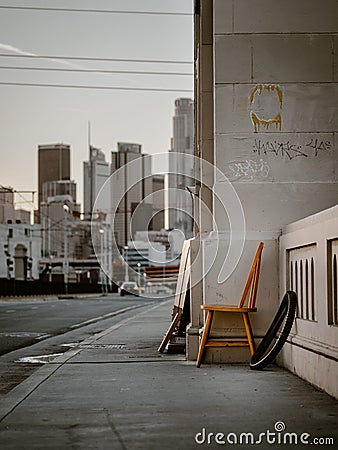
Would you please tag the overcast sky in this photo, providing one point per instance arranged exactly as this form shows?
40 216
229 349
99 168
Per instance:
33 115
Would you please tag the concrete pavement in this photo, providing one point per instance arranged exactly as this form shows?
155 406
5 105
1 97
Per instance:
116 391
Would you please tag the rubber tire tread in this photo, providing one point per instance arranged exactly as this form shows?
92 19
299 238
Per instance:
286 309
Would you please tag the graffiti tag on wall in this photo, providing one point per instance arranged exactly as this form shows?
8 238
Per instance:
290 150
249 170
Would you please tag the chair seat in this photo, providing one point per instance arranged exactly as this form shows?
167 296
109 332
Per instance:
227 308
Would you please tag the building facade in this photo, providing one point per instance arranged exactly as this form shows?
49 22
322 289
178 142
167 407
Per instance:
8 212
130 186
59 187
266 120
53 164
21 251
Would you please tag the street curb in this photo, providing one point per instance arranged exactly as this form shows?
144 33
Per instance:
28 298
22 391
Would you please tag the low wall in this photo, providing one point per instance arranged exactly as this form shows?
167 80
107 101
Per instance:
308 265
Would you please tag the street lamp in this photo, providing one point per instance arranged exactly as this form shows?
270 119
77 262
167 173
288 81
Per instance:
125 254
139 274
102 262
65 252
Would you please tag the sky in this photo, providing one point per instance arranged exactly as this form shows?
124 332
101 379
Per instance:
30 116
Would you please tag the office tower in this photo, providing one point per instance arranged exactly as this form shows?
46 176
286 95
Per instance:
180 170
95 173
157 222
53 164
129 187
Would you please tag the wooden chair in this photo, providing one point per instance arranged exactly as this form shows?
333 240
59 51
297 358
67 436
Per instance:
249 294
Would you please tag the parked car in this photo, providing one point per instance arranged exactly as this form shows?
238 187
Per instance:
129 287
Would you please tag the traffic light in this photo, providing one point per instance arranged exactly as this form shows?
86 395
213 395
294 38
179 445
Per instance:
29 263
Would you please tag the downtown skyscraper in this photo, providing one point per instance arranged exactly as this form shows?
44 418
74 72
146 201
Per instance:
181 171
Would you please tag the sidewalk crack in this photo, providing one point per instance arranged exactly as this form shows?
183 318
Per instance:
112 426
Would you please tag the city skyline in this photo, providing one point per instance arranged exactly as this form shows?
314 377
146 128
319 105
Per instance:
33 116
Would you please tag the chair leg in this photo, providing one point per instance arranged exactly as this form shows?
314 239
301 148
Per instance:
249 334
204 338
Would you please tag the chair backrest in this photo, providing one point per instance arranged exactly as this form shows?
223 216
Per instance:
251 285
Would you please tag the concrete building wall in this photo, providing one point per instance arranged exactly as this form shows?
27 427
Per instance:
274 133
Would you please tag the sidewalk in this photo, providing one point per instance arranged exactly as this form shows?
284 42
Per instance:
117 392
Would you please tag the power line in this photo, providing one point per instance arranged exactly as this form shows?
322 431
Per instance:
99 11
108 88
93 58
134 72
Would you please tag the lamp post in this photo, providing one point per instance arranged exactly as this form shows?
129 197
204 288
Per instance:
65 252
102 262
139 274
126 272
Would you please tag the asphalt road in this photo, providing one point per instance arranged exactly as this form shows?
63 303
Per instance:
22 323
39 327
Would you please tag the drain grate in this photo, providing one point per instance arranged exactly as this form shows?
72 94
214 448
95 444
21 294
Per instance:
109 346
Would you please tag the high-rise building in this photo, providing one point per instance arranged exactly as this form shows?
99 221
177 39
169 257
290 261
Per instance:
157 221
53 164
129 187
95 173
180 170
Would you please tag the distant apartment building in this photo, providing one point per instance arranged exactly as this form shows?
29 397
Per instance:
96 171
130 184
180 170
53 164
8 213
21 252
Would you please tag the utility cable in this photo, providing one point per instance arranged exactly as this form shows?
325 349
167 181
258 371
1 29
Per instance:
97 11
133 72
109 88
94 58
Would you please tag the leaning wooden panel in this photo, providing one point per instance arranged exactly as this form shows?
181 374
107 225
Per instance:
181 290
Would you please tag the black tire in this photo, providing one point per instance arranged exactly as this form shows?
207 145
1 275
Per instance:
287 311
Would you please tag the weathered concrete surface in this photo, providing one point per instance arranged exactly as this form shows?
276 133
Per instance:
131 397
